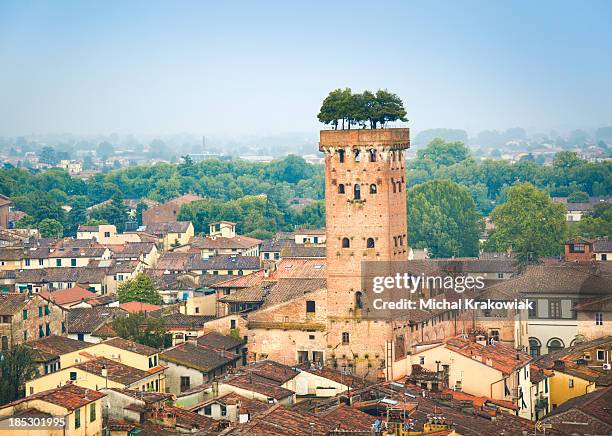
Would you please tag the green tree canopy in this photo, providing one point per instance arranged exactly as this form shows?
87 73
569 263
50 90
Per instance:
443 153
143 329
50 228
442 217
363 109
578 197
529 223
140 288
17 365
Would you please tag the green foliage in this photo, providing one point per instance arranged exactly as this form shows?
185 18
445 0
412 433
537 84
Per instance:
529 223
597 223
578 197
143 329
442 217
50 228
114 212
311 215
140 288
444 153
16 367
92 222
353 109
25 222
566 160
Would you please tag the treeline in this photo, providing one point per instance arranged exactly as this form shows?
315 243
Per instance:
49 194
258 196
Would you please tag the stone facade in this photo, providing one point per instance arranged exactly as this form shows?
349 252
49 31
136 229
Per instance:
42 317
365 203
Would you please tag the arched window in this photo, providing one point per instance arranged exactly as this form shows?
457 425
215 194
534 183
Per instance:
401 240
341 188
555 344
341 155
357 154
357 191
393 183
240 272
372 155
395 241
534 347
370 243
346 243
399 185
373 188
358 300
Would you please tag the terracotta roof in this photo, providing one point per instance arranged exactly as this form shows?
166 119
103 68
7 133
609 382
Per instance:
227 263
138 306
251 294
132 346
69 396
271 371
10 303
131 249
220 242
254 383
290 288
66 274
499 356
58 345
304 251
76 251
282 421
116 371
557 279
88 319
304 231
300 269
5 201
602 304
277 244
198 357
190 420
593 409
194 322
105 331
68 295
348 418
571 360
168 227
213 339
254 407
332 374
244 281
602 246
185 198
145 396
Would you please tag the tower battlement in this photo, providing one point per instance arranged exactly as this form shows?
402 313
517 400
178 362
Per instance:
398 138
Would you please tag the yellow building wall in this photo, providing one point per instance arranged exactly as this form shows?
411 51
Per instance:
61 377
86 428
560 390
120 355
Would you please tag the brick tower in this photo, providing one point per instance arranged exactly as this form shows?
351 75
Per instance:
365 203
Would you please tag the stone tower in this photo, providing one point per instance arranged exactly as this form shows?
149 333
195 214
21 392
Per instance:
365 203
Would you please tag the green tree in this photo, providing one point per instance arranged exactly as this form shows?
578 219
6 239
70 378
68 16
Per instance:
529 223
17 366
145 330
25 222
388 107
333 107
114 212
140 208
442 217
140 288
566 160
76 216
578 197
50 228
444 153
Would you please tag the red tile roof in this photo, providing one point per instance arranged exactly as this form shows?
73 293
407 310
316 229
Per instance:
137 306
68 396
68 296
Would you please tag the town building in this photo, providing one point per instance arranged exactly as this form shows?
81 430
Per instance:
25 317
168 211
5 207
79 408
171 234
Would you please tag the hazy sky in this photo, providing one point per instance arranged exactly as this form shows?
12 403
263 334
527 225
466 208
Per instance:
232 67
